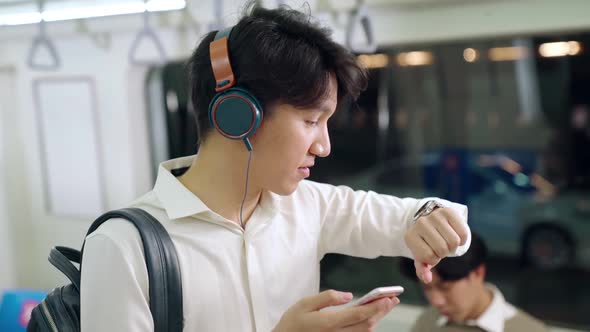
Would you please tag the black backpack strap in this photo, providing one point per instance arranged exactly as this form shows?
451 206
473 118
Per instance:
162 265
62 258
71 254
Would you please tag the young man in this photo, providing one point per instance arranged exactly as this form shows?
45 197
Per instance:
249 231
461 300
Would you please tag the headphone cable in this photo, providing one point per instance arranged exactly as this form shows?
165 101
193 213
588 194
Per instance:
245 190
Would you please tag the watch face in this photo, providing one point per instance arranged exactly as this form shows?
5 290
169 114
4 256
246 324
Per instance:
430 206
433 205
427 208
420 210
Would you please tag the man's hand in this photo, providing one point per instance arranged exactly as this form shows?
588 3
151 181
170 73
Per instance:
305 315
434 237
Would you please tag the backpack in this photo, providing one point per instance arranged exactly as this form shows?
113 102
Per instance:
60 310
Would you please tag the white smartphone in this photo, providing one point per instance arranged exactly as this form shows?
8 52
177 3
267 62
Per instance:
378 293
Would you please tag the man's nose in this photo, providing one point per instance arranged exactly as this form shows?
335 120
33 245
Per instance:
321 147
317 149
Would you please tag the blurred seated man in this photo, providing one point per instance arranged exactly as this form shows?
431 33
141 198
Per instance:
461 299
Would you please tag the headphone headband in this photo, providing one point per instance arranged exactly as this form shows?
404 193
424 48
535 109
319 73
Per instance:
233 111
219 54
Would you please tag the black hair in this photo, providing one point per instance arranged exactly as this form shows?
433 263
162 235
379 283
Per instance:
454 268
281 56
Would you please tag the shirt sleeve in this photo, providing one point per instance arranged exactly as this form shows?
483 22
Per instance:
114 283
368 224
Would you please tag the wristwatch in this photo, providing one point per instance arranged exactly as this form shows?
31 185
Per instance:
427 209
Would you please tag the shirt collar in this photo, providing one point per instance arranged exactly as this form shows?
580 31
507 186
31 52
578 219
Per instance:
493 318
179 202
176 199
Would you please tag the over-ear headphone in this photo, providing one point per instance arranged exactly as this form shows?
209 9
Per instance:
233 111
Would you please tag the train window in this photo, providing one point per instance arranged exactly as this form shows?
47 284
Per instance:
502 126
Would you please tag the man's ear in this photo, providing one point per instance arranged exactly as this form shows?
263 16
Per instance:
479 272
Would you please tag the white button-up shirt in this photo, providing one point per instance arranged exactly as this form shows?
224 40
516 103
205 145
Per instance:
234 279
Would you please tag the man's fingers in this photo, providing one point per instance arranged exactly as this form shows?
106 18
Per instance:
425 263
431 235
443 231
423 271
458 226
370 323
382 313
449 235
324 299
421 251
358 314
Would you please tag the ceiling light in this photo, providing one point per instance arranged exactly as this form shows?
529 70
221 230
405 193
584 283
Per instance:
560 49
81 12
